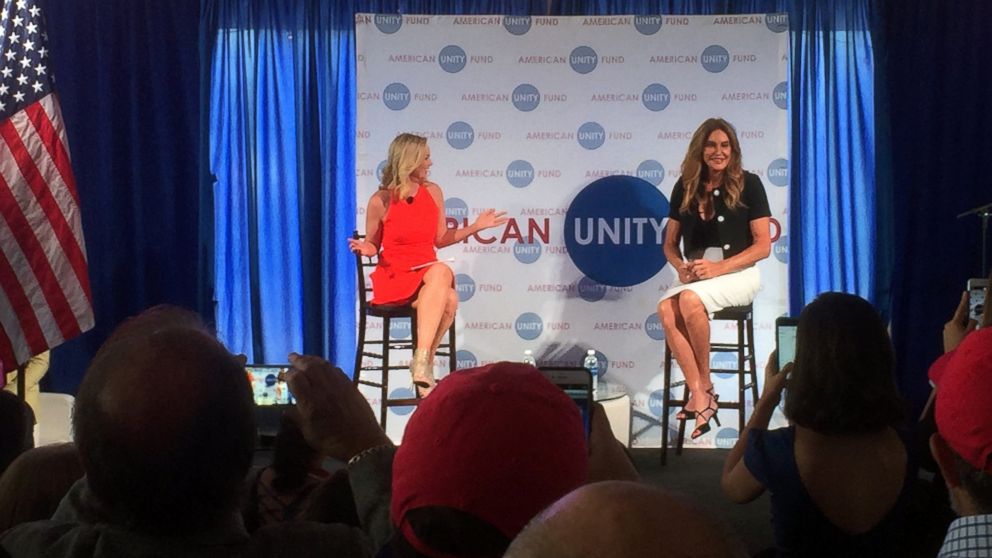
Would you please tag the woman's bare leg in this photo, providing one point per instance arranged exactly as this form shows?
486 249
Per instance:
697 321
446 320
678 340
431 304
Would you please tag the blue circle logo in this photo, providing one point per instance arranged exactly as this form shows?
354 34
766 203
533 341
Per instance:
526 97
715 59
647 25
465 287
590 290
396 96
402 393
614 230
603 364
583 59
520 173
529 326
380 169
452 59
653 327
455 208
781 249
399 328
388 23
726 438
527 252
465 359
778 172
655 402
516 25
270 380
651 171
460 135
724 365
780 95
656 97
591 135
777 23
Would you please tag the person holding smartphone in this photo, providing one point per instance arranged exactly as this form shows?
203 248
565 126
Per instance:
841 475
719 215
404 223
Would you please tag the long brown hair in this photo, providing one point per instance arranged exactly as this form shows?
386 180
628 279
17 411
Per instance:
406 152
695 171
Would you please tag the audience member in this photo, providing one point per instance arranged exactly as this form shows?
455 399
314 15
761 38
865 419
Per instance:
626 520
333 501
164 423
16 428
962 445
34 370
34 484
484 454
840 476
282 491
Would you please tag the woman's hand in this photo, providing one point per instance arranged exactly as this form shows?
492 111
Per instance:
959 325
775 379
489 218
685 273
362 247
705 269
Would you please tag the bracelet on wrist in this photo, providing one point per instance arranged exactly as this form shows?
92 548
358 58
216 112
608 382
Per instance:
367 452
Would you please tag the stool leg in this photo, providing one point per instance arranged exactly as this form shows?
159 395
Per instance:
752 360
741 389
452 350
666 378
359 349
384 388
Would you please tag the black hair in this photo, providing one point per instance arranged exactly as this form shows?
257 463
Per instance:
976 482
452 532
844 376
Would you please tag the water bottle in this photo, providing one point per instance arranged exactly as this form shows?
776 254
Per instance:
591 363
529 358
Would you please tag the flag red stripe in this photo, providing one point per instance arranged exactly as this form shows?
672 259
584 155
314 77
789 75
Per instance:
21 306
7 358
31 247
63 230
52 141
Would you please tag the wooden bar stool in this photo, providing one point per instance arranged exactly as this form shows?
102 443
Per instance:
747 376
381 350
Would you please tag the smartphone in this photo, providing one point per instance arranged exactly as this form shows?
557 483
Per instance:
268 384
576 382
976 298
785 339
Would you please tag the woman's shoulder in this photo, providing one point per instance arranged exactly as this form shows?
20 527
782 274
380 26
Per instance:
435 191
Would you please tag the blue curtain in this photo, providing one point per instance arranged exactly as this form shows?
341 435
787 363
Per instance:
280 170
833 224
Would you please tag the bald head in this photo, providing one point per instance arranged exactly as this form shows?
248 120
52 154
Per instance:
164 424
622 519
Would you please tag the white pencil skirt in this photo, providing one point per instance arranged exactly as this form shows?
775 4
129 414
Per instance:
733 289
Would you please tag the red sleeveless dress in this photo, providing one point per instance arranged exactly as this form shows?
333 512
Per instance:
408 232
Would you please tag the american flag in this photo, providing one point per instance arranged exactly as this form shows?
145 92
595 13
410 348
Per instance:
44 284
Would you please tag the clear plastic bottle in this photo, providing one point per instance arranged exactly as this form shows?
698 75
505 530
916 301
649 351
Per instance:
591 363
529 358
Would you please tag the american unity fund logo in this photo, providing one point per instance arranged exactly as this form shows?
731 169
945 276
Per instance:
715 59
465 287
591 135
396 96
648 24
614 230
520 173
452 59
525 97
528 326
465 359
460 135
583 59
516 25
388 23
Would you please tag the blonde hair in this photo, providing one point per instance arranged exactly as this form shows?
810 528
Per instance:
695 171
406 152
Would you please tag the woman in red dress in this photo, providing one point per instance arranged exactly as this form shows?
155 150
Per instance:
404 223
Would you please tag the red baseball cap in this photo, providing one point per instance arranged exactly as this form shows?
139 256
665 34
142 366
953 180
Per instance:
964 399
500 442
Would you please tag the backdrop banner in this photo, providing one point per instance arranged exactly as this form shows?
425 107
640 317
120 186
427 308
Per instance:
577 127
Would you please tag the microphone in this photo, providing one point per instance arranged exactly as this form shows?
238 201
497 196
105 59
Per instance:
409 199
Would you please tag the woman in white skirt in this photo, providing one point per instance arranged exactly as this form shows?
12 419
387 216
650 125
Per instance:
717 231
